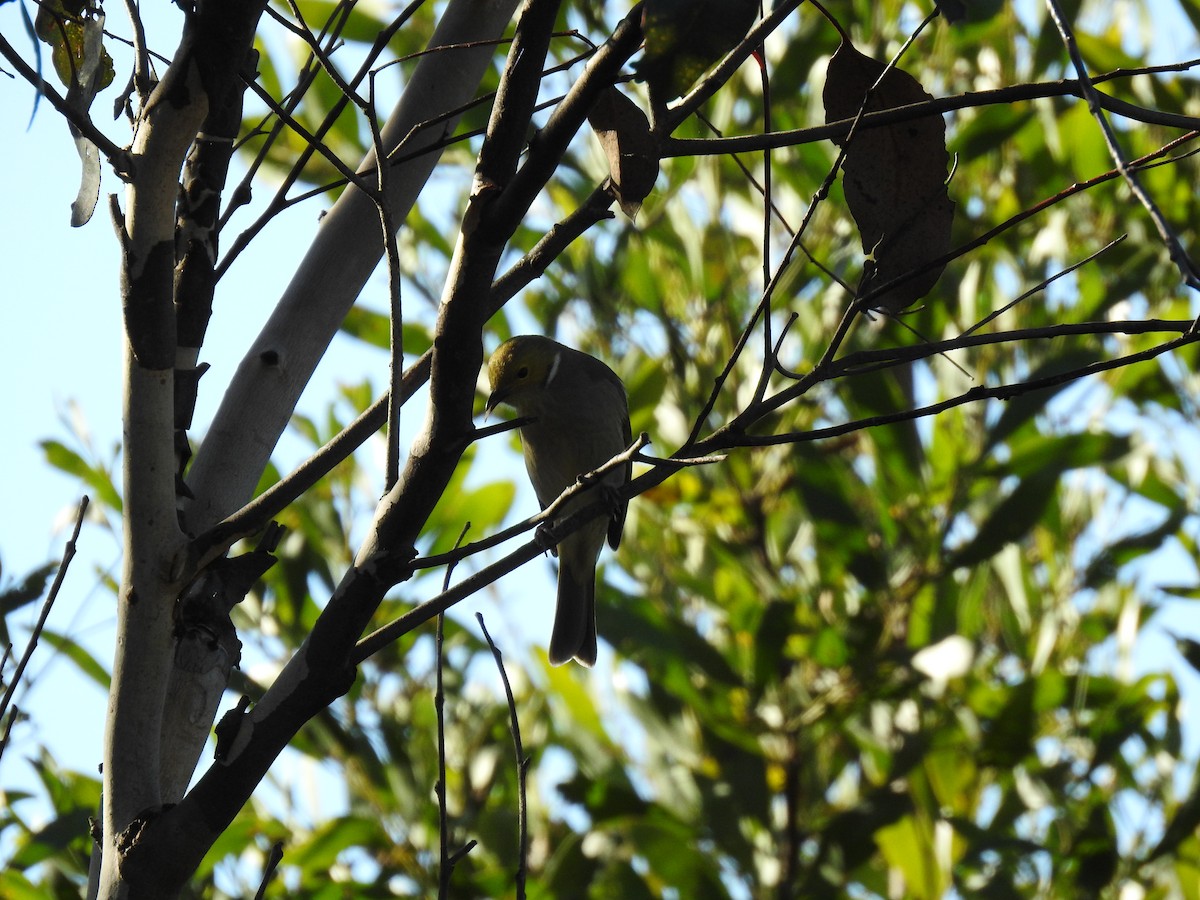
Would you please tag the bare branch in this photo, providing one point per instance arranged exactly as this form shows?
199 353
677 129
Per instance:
972 99
583 483
1042 285
998 392
1095 101
274 858
118 157
47 604
445 867
251 518
522 764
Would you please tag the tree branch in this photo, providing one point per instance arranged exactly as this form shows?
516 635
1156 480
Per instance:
672 147
254 516
118 157
278 365
1095 101
47 605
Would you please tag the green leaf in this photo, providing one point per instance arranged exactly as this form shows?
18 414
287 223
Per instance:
1008 738
53 838
1105 565
16 886
907 845
96 477
62 24
331 839
1060 453
375 328
1021 409
1011 519
685 37
26 591
84 661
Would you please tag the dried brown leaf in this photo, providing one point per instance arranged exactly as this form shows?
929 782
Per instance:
894 177
624 134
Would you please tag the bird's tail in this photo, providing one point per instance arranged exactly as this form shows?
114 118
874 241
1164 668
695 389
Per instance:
574 635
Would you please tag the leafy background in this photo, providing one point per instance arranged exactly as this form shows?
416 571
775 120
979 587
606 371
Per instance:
910 659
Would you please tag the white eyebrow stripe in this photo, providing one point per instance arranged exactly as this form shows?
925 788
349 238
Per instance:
553 368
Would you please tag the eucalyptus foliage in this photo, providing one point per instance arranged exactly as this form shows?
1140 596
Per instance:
875 626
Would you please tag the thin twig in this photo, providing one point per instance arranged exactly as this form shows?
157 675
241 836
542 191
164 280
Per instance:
439 707
507 425
1179 256
68 555
141 55
522 764
345 88
395 306
240 195
975 394
462 851
753 143
414 618
274 858
311 139
886 357
279 201
14 713
774 207
1041 286
118 157
252 517
680 463
445 867
768 202
583 483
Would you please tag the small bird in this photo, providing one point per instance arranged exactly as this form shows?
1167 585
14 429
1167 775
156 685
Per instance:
580 421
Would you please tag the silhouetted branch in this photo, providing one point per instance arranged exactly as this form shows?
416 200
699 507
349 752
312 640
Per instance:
753 143
445 866
51 596
118 157
273 860
1096 104
522 765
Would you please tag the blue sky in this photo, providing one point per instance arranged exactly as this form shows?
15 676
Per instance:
59 360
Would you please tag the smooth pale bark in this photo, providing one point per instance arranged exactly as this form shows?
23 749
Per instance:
153 542
349 241
347 248
323 668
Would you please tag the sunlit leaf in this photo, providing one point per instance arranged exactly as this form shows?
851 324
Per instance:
83 660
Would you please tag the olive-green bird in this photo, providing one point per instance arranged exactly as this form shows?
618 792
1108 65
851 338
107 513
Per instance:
580 421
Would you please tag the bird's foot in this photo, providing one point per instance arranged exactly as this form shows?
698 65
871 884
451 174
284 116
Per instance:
545 538
611 494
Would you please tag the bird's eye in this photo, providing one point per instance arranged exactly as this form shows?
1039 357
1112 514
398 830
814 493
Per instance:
523 372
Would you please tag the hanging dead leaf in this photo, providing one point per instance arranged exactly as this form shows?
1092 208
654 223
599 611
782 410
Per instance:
894 178
624 133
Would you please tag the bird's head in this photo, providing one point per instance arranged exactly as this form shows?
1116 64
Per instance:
520 371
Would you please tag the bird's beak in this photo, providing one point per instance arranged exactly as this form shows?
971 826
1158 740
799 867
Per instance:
495 398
